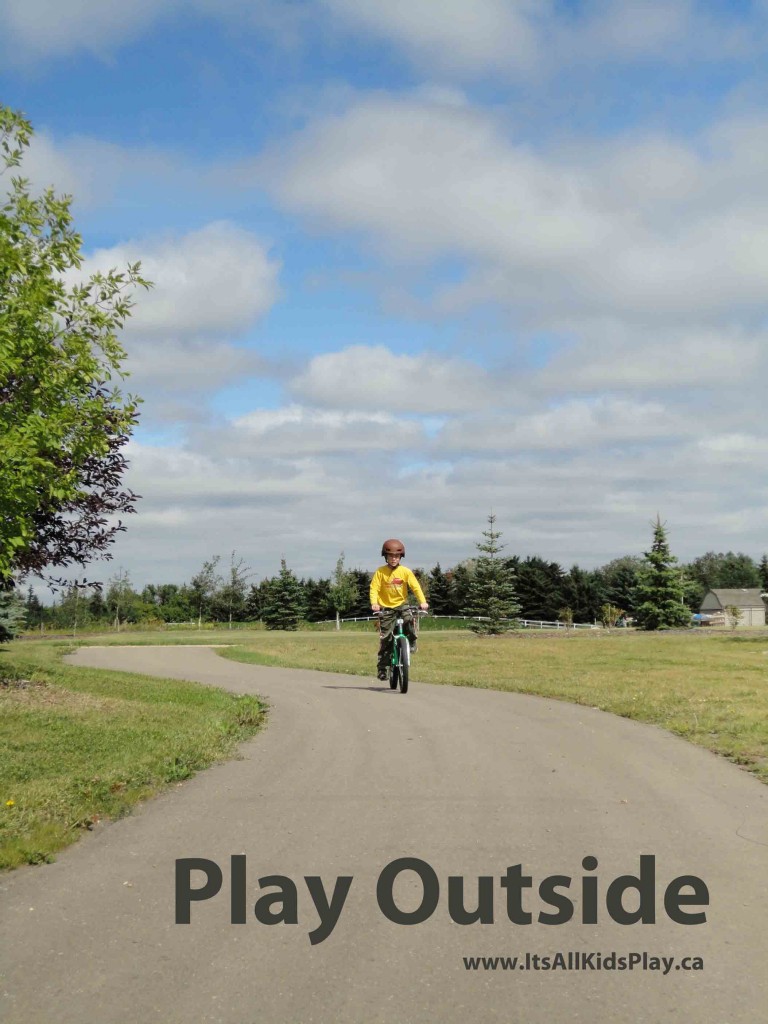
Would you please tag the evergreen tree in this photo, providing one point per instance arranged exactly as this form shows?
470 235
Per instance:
362 606
492 590
540 587
284 605
461 580
660 587
11 614
253 602
441 592
33 610
583 594
317 600
619 582
763 570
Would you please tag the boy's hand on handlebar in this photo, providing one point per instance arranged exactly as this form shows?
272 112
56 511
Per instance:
375 608
424 607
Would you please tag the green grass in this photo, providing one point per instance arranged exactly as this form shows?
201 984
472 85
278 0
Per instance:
82 745
712 689
79 745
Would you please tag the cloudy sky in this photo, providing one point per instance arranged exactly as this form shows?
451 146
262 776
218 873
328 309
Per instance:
419 260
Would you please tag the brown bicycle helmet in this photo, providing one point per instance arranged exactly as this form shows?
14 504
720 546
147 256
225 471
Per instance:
392 547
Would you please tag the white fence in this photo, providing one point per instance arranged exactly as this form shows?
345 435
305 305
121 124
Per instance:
525 623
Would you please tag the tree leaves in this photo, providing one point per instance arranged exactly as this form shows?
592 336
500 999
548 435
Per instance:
62 423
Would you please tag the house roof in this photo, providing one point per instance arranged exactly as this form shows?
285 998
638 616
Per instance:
741 598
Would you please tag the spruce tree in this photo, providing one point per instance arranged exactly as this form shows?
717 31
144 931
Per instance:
763 570
660 590
284 604
461 578
441 592
492 588
11 613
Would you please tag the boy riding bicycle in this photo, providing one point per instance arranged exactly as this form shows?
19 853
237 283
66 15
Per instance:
389 594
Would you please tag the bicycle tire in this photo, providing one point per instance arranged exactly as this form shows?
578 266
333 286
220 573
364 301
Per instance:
393 674
404 659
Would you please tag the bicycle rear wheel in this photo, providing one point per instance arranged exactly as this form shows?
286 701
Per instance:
404 662
394 676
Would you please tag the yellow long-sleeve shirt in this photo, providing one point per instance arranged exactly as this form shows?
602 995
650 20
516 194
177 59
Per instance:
389 587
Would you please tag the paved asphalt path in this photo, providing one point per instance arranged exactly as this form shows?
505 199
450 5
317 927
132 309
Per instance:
346 778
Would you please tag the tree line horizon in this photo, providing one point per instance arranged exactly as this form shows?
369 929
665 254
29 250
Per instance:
526 587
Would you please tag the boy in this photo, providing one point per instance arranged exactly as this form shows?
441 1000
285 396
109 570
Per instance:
389 593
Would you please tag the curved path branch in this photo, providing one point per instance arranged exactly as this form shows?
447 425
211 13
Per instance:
346 778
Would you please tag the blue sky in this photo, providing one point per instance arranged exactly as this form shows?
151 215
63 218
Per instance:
417 261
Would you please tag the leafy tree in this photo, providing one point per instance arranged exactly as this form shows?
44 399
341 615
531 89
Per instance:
565 615
734 614
229 600
62 422
492 590
203 586
343 591
660 587
610 615
121 599
284 605
727 570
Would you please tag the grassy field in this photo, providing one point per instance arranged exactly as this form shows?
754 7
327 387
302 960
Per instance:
80 745
710 688
77 745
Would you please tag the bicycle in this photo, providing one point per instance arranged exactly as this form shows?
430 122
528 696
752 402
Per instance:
400 664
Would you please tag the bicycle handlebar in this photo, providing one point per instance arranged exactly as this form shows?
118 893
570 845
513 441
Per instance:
408 607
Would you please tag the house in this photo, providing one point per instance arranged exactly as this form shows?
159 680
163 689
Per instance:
748 601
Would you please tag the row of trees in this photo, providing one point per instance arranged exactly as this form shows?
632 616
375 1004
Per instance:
654 591
530 588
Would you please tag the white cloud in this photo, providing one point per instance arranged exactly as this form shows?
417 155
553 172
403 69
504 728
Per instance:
512 38
373 377
625 356
577 424
296 431
545 233
214 281
190 367
43 28
731 449
461 38
454 35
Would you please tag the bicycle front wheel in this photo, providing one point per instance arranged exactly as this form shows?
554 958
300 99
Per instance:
404 662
